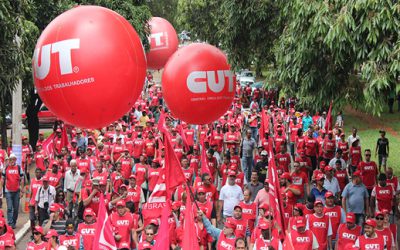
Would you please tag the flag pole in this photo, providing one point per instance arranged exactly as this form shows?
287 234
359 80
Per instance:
192 194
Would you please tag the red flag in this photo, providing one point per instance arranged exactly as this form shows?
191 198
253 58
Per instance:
48 145
103 238
173 170
204 161
181 132
328 121
190 241
64 137
275 198
161 123
162 238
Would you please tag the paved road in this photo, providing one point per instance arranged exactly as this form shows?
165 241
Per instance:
22 244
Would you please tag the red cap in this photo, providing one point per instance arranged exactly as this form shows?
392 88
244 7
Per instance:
319 177
318 202
144 245
231 173
377 213
329 194
38 144
154 221
120 203
300 222
89 211
351 217
233 167
370 222
286 176
230 224
24 138
299 206
51 233
195 147
263 225
201 189
385 211
39 229
123 186
132 176
357 173
176 205
328 168
123 245
238 206
58 130
45 178
107 157
54 162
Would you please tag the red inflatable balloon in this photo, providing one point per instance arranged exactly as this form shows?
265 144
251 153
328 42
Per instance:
163 43
197 84
89 66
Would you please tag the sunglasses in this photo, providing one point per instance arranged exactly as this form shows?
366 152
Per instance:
36 233
380 218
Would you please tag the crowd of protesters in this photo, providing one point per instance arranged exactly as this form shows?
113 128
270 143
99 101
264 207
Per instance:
334 196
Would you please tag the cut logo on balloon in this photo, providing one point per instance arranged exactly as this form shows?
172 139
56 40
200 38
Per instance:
197 81
160 41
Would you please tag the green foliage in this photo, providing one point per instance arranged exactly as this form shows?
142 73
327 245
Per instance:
166 9
345 50
202 18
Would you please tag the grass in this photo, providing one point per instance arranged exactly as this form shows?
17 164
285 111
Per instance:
369 135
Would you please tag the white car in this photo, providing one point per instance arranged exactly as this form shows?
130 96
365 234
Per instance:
246 77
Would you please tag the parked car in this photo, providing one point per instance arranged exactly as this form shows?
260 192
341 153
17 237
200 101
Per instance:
46 117
246 77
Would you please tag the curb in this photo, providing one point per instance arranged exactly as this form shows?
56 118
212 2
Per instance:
22 232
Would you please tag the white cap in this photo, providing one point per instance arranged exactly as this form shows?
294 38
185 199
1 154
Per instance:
12 156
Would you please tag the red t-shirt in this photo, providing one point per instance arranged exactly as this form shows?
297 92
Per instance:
150 147
300 179
87 231
347 236
311 146
39 160
355 155
283 161
33 246
154 174
13 175
35 185
123 225
189 133
369 172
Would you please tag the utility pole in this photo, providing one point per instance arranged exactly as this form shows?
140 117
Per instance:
17 114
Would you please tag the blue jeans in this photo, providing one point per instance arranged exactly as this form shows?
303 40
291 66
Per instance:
247 165
12 199
254 133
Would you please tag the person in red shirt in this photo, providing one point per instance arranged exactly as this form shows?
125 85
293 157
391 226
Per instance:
294 127
36 183
341 175
369 171
135 193
124 224
370 239
40 157
292 191
266 239
211 190
300 179
70 238
54 176
154 172
280 139
320 225
249 209
138 147
126 164
354 155
283 160
301 238
300 145
382 196
37 243
328 147
384 231
311 148
348 232
241 223
343 145
392 180
88 228
335 213
150 147
217 138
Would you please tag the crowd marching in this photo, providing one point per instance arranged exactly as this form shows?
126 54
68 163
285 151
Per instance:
266 175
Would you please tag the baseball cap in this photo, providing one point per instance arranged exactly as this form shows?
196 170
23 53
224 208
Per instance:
154 222
299 206
300 222
233 167
231 173
328 168
58 130
54 162
351 217
264 153
357 173
12 156
121 203
286 176
123 186
370 222
237 206
123 245
264 206
176 205
318 202
132 176
329 194
264 225
51 233
201 189
320 176
45 178
377 213
38 144
89 211
144 245
230 224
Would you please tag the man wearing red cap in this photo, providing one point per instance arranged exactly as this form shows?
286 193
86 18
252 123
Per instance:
335 213
384 231
266 238
206 205
40 157
135 192
37 243
4 234
225 237
370 239
87 228
320 225
241 223
348 233
369 171
124 223
301 238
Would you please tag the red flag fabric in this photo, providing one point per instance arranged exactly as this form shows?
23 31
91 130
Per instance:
328 121
274 192
64 137
204 161
162 238
173 170
48 145
183 136
103 238
161 123
190 241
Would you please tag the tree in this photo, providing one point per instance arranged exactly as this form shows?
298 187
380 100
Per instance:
166 9
248 32
346 50
202 18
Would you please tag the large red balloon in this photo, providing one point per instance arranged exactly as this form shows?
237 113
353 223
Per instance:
163 43
197 84
89 66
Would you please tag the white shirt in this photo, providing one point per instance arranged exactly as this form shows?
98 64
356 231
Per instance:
45 195
70 180
332 185
231 195
332 163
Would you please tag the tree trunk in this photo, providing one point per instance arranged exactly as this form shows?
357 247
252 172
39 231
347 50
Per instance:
32 117
3 128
